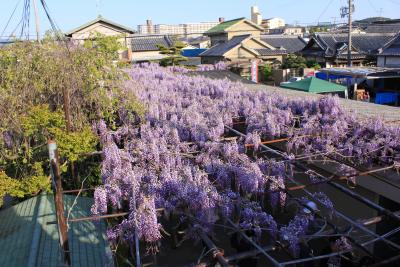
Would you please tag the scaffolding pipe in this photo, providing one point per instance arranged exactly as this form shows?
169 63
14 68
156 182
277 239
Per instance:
262 251
343 252
386 262
349 220
216 252
336 185
248 254
315 258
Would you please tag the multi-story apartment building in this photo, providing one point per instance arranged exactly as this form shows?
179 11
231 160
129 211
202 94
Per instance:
191 29
273 23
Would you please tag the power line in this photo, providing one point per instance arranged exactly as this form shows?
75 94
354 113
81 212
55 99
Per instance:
12 14
326 8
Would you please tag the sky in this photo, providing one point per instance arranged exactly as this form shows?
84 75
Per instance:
69 14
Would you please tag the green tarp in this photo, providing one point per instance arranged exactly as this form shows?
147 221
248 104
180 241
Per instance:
27 240
314 85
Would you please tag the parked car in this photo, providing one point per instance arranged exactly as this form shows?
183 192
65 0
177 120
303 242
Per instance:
293 79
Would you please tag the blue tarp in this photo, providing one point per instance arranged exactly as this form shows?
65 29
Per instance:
192 52
324 76
387 98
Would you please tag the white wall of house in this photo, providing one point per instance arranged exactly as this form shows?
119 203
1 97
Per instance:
98 27
146 55
106 30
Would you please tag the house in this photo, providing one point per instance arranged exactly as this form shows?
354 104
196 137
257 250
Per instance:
201 42
330 50
29 238
292 44
389 55
145 48
239 40
103 26
226 30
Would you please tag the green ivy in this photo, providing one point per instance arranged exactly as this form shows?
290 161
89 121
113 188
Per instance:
33 81
27 186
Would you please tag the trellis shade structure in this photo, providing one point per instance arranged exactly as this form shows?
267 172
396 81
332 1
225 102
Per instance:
26 238
314 85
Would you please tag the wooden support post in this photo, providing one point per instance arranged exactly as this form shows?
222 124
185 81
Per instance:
58 200
355 91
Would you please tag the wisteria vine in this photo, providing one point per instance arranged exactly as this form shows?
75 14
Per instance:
178 162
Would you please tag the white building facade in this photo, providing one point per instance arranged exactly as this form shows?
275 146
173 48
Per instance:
256 16
273 23
192 29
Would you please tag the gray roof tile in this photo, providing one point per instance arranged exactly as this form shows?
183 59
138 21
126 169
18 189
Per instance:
291 43
334 45
149 43
269 52
219 50
392 48
383 28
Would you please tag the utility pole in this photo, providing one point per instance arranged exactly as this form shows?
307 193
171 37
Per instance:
334 21
349 64
37 21
348 11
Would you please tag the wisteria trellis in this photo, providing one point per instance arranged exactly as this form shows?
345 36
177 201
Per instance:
176 161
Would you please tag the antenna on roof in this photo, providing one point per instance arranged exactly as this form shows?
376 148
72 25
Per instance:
99 4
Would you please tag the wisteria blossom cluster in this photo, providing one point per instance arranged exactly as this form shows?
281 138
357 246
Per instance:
210 67
177 163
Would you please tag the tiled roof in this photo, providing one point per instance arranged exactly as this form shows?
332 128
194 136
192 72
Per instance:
199 39
27 240
149 43
392 48
223 26
269 52
220 49
383 28
290 43
101 19
333 45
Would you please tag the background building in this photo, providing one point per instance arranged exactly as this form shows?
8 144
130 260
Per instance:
273 23
195 29
238 41
256 17
287 30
